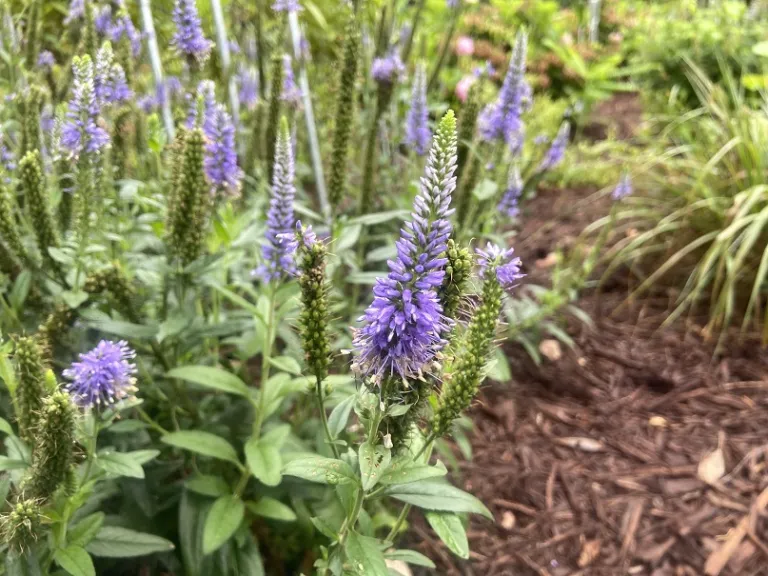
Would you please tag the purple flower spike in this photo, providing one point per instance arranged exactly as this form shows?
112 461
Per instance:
45 59
509 202
103 376
290 93
82 130
220 157
623 188
123 26
110 86
248 82
389 69
189 38
103 20
506 266
76 11
404 327
417 134
287 6
556 151
278 250
502 119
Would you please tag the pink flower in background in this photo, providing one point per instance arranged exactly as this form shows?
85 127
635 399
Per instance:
465 46
462 88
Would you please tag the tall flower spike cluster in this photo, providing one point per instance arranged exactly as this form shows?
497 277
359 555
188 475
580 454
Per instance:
189 201
500 272
314 319
502 119
509 201
109 83
388 69
53 454
103 376
31 387
189 39
221 166
33 183
556 151
82 130
417 134
123 27
404 327
248 85
345 109
278 249
273 115
457 273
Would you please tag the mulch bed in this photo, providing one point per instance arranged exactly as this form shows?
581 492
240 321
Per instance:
592 464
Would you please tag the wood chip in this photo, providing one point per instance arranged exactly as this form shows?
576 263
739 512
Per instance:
720 557
581 443
712 467
589 552
508 521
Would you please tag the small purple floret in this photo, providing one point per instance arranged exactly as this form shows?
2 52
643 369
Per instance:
103 376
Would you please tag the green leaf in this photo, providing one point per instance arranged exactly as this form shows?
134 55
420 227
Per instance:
86 529
223 520
271 508
761 49
348 238
75 560
143 456
286 364
451 531
364 555
374 461
436 495
410 557
207 485
380 217
124 329
203 443
339 417
405 471
117 542
210 377
320 469
264 460
11 464
22 563
120 464
485 190
127 426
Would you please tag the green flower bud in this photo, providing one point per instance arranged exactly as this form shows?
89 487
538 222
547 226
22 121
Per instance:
32 105
9 266
457 272
462 379
31 390
53 452
467 124
9 232
464 204
53 329
345 107
36 195
123 142
19 526
190 203
113 282
314 318
89 41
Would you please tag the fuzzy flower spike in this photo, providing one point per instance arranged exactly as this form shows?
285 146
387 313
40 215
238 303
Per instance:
278 250
102 376
623 188
556 151
417 134
502 263
404 327
82 130
509 202
501 120
189 38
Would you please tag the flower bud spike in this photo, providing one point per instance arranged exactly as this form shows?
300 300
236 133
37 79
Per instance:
31 390
36 195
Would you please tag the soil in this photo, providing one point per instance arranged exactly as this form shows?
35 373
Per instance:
639 451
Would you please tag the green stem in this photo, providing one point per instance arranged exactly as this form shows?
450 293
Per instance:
444 51
409 43
324 417
266 354
428 446
148 419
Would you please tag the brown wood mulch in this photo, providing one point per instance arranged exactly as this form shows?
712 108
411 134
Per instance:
638 452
